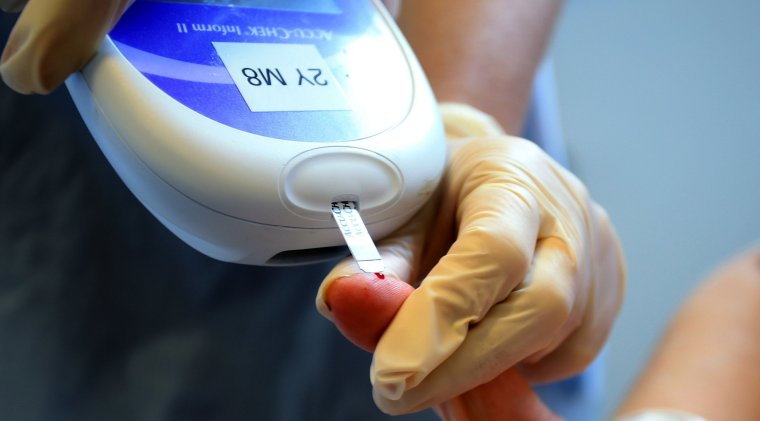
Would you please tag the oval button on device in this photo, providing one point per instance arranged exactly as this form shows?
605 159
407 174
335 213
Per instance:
313 179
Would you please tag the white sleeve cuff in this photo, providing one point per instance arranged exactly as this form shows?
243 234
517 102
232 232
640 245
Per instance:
660 415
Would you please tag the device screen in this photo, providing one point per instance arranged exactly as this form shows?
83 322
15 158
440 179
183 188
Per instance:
308 6
304 70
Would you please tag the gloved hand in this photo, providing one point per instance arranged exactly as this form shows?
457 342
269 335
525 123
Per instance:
54 38
363 305
518 266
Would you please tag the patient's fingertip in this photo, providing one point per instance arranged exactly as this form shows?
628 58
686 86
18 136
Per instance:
363 305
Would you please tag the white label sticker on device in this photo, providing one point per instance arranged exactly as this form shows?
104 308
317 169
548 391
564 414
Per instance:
357 238
282 77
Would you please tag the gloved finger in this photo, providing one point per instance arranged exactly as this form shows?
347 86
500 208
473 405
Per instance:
606 296
499 225
516 327
12 5
403 251
53 39
362 306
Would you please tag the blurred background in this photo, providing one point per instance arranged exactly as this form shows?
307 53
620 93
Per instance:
660 105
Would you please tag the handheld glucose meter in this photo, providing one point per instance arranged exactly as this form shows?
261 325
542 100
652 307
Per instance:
238 123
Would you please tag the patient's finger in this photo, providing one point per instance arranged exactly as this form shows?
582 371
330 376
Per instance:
362 306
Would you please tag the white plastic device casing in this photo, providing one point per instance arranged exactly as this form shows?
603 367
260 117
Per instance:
246 198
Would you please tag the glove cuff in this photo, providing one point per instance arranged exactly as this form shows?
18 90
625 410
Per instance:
462 120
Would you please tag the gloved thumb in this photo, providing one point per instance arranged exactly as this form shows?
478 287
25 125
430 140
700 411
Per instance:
54 38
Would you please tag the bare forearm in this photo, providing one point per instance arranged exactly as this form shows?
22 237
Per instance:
483 52
709 360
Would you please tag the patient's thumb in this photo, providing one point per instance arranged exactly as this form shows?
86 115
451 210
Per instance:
363 305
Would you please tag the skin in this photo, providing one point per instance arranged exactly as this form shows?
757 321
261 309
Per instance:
483 53
707 363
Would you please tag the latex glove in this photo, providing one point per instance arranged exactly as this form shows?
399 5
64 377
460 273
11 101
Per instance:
518 266
363 305
54 38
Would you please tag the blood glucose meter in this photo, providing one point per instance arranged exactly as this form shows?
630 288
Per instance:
238 123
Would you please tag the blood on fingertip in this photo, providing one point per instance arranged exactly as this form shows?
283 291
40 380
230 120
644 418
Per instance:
380 275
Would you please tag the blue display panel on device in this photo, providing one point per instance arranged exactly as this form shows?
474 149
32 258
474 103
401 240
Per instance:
304 70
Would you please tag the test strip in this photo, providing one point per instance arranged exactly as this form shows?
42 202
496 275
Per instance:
346 215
